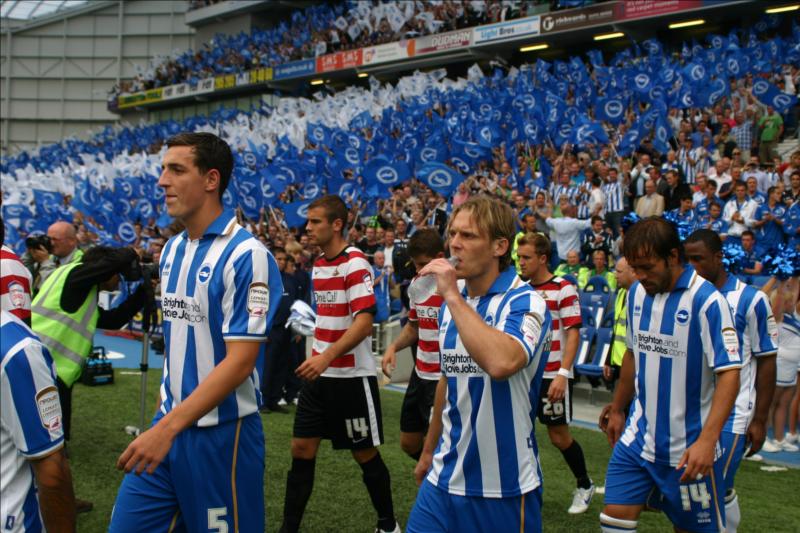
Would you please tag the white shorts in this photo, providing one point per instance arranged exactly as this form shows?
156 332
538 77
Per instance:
787 369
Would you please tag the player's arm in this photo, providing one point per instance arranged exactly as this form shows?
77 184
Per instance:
56 497
434 432
558 387
359 330
408 336
765 388
623 395
150 448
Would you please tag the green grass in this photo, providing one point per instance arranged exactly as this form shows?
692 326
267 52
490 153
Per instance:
340 502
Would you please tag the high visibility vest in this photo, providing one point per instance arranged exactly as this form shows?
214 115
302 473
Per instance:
619 339
68 336
514 256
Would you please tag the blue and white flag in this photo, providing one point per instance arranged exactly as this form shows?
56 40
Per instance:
610 110
384 174
440 178
770 95
296 213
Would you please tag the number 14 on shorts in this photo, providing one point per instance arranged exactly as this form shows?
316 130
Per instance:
357 428
697 493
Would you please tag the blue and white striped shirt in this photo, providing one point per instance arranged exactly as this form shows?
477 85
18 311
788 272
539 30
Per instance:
224 286
758 337
557 191
615 197
488 446
679 340
31 427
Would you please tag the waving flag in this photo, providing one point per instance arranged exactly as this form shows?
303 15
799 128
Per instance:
384 174
770 95
440 178
610 110
296 213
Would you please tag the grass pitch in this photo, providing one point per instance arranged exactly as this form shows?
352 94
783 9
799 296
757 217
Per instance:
340 503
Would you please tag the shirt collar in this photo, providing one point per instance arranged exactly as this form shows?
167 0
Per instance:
222 225
686 279
502 283
730 284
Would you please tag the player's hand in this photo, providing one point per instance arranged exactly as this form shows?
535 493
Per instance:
602 422
557 389
446 281
423 465
615 426
389 361
607 373
698 460
312 367
756 434
146 451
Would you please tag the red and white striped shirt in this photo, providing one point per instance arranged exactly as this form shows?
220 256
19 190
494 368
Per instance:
565 312
426 314
342 289
15 285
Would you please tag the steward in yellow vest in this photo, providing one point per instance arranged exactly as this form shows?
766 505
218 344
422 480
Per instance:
625 278
65 314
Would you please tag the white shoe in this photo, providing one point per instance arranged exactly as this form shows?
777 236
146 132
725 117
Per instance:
581 499
770 446
791 438
295 401
395 530
282 402
756 457
787 446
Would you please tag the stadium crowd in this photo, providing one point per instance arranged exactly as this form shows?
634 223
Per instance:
324 29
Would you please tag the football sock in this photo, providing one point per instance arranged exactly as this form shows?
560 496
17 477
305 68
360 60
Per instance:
732 514
609 524
379 485
299 484
574 458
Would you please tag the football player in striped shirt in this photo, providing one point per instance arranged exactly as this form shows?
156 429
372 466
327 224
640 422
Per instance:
681 371
200 466
555 405
758 336
339 400
480 461
422 328
35 479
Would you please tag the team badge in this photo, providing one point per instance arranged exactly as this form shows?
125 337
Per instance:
682 316
49 408
258 299
367 277
204 274
16 292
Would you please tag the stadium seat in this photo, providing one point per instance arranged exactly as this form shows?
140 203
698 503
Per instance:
572 279
584 345
602 345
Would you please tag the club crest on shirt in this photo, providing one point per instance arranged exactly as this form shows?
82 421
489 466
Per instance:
49 408
258 299
682 316
204 274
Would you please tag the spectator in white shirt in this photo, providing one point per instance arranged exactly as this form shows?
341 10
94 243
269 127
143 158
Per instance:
566 231
739 213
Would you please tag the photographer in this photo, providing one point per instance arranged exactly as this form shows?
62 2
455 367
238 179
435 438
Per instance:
37 260
66 314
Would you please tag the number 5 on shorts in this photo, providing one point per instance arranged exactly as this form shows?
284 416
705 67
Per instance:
696 492
216 520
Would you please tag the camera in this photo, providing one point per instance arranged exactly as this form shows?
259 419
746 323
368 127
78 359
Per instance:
39 241
136 270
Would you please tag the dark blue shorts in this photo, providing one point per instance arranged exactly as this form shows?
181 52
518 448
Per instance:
438 511
212 479
732 454
694 506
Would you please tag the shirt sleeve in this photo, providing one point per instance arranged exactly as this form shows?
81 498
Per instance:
763 328
527 320
569 307
358 285
31 410
719 337
246 301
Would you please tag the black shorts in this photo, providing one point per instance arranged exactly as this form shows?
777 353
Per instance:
415 414
554 413
345 410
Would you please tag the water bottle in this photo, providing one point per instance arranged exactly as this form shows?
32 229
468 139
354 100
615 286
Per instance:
423 287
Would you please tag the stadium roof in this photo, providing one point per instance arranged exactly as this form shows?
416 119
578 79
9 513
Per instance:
28 9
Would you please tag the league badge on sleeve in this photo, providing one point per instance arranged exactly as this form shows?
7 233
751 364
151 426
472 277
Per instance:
367 277
531 328
258 299
49 408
